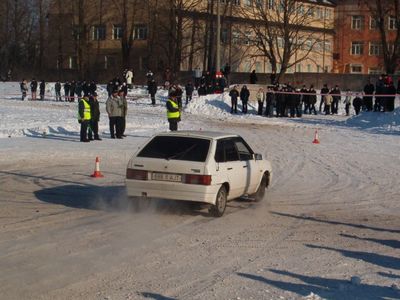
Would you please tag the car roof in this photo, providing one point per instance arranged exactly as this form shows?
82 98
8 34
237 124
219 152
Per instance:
198 134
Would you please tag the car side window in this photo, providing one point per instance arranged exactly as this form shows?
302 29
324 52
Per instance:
231 153
219 152
244 151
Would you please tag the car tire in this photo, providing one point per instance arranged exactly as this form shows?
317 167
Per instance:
218 209
259 195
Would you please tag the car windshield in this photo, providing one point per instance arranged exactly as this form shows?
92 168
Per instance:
177 147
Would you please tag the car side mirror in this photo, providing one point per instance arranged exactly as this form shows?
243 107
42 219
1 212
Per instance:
258 156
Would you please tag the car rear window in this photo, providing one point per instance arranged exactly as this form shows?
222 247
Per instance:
177 147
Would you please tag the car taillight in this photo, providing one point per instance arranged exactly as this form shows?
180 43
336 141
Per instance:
136 174
198 179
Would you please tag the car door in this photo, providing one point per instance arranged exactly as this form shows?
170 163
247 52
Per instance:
230 166
246 157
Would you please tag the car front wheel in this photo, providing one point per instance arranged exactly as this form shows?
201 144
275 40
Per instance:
218 209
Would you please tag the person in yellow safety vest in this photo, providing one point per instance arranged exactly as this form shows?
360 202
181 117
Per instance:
84 117
173 110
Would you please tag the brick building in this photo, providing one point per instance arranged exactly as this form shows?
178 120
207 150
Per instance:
357 46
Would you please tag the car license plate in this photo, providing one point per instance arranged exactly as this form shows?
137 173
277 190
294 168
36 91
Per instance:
167 177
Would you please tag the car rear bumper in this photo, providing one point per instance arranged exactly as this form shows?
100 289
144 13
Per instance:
172 190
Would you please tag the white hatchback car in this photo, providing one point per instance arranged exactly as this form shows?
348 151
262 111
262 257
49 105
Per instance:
200 166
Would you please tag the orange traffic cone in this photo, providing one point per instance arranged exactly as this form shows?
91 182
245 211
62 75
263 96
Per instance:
316 139
97 173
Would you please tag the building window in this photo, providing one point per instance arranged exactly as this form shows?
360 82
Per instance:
356 22
72 62
374 71
373 24
392 23
98 32
375 48
140 32
309 68
328 47
356 69
235 37
247 2
299 68
328 13
117 32
357 48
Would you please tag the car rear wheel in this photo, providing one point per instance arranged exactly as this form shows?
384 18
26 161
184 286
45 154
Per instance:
259 195
218 209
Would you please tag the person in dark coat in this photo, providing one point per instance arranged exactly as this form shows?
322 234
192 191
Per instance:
291 101
234 94
85 88
369 90
57 88
357 103
270 102
189 91
34 86
95 118
304 98
324 91
42 88
92 87
253 77
336 98
312 99
244 97
79 89
390 90
152 89
72 89
110 87
202 91
67 86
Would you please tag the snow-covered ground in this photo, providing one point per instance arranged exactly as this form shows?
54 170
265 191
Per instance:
328 229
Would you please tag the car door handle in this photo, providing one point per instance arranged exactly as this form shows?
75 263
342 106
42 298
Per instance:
244 166
230 168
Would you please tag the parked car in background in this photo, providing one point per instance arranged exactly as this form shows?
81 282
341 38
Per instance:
200 166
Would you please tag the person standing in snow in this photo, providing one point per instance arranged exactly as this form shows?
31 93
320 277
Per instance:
369 90
173 110
34 86
124 106
197 77
347 102
189 91
357 103
324 92
57 88
94 118
72 91
244 96
336 99
24 89
129 78
234 94
260 100
42 88
114 110
84 117
312 99
66 90
152 89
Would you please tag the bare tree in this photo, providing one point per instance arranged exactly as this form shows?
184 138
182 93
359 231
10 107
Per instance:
282 32
127 10
381 11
